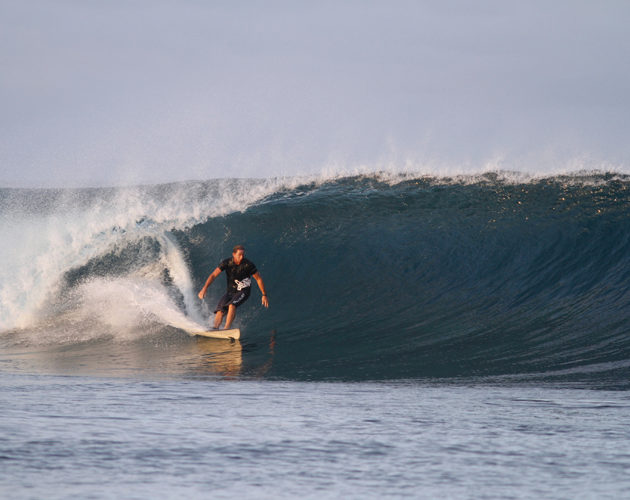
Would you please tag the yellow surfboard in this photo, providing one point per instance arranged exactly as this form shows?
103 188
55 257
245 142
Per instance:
232 334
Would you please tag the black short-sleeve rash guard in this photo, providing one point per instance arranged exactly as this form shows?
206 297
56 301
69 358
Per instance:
238 277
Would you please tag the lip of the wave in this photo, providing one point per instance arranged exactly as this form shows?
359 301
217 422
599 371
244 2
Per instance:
583 177
577 169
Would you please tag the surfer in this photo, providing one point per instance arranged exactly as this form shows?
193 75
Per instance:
239 272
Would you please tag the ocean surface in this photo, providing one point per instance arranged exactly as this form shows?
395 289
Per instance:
463 337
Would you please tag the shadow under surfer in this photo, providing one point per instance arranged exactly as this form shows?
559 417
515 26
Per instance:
239 272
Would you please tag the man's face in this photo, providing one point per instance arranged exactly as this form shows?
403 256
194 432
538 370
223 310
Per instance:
238 256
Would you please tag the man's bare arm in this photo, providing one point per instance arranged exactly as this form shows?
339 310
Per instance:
210 279
261 285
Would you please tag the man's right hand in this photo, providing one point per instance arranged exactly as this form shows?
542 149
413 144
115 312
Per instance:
202 293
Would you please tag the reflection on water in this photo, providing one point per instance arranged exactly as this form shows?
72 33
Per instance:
216 356
165 353
174 356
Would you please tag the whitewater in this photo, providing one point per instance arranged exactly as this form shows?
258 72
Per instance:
427 335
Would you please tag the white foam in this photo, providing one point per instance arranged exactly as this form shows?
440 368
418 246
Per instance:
39 248
120 309
125 304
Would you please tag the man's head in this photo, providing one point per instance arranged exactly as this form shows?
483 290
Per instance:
238 252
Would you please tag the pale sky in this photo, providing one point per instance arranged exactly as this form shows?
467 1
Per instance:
142 91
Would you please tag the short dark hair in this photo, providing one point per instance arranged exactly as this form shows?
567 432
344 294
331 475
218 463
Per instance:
237 248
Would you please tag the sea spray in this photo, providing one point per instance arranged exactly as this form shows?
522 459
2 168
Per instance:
47 233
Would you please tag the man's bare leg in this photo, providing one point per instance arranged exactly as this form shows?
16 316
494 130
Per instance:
230 316
218 317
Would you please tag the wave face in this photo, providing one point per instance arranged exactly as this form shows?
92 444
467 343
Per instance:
369 277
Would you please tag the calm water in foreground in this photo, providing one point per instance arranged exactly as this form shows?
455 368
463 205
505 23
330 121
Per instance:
97 437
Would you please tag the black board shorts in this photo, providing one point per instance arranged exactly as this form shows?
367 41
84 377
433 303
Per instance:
236 299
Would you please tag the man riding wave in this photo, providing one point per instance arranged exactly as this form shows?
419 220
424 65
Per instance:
239 272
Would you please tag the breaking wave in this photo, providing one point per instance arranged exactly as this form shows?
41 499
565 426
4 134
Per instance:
370 277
